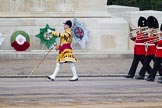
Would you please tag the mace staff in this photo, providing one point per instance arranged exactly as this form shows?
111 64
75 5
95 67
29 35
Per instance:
36 67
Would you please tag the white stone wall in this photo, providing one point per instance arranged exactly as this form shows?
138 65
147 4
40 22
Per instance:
32 8
104 32
131 14
120 11
133 19
107 34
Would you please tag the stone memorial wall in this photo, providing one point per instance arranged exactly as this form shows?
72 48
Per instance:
31 15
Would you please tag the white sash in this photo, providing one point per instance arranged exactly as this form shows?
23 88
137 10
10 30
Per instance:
159 47
139 44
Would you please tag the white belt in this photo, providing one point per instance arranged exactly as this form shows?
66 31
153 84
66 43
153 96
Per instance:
150 44
159 47
139 44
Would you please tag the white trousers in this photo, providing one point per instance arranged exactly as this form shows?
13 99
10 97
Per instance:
57 69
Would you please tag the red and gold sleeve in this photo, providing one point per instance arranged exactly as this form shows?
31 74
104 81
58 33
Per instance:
65 34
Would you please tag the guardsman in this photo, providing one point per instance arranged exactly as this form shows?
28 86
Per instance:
160 79
65 51
158 58
153 25
139 48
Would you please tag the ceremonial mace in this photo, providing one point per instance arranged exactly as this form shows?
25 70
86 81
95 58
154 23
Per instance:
36 67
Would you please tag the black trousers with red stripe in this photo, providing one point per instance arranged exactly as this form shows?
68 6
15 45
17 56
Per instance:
146 64
136 60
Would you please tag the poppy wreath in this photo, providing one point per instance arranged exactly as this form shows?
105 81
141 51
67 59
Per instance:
20 41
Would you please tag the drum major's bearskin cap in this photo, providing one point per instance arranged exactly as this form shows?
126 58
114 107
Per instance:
142 22
152 22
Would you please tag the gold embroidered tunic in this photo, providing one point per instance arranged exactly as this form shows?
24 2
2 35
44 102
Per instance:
65 50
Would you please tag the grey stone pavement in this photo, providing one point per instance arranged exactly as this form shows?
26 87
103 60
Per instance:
15 91
95 85
85 67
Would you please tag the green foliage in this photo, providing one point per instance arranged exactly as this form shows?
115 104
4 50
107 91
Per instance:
142 4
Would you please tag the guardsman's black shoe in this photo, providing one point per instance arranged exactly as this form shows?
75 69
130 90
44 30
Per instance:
74 79
149 79
160 81
160 78
138 77
50 78
128 76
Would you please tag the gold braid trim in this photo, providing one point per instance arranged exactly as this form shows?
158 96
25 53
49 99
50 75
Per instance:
65 56
66 51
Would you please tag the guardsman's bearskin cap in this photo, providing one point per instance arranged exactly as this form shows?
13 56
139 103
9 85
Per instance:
152 22
161 27
142 22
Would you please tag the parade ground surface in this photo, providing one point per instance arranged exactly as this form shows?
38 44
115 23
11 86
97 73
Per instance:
101 85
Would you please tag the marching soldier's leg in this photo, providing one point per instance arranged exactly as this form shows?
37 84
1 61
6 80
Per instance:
160 81
144 68
53 76
143 60
160 73
159 70
152 75
73 69
133 68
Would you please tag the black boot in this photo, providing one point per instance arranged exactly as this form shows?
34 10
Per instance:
74 79
160 78
160 81
149 79
138 77
128 76
50 78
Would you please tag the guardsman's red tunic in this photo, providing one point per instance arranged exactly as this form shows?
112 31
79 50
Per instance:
139 47
151 47
158 52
